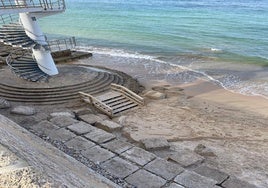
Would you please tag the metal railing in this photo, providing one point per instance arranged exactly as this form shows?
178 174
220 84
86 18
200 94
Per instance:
9 18
14 55
62 44
45 4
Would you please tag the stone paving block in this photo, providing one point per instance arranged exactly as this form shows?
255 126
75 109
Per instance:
138 155
23 110
164 168
193 180
186 158
144 179
117 146
211 173
79 143
97 154
108 125
62 135
99 136
81 128
175 185
63 121
153 144
90 118
233 182
119 167
44 128
55 114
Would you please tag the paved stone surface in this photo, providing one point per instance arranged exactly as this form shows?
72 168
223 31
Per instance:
79 143
66 114
63 121
164 168
117 146
138 156
97 154
62 135
233 182
186 158
44 128
99 136
212 173
81 128
144 179
82 111
193 180
119 167
23 110
4 103
175 185
90 118
152 144
108 126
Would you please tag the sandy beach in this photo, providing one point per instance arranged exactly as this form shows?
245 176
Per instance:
232 125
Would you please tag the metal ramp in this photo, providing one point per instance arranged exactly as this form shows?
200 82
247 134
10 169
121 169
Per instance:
119 99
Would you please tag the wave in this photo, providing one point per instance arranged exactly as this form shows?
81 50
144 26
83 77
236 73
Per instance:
232 84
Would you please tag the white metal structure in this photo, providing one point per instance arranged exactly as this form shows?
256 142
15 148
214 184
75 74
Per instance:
29 11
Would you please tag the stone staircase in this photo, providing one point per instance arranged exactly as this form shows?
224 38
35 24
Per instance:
14 34
57 95
115 101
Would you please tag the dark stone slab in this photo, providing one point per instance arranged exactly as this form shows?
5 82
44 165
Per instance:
108 125
212 173
90 118
153 144
119 167
97 154
186 158
144 179
99 136
81 128
193 180
233 182
63 121
62 135
4 104
79 143
164 168
139 156
117 146
44 128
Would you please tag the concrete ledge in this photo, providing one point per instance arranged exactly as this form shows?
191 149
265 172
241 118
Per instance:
48 159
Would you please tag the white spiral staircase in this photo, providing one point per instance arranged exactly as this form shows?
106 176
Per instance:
31 58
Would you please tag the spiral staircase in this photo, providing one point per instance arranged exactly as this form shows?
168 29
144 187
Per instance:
31 57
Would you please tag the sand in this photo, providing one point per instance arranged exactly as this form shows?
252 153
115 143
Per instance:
233 126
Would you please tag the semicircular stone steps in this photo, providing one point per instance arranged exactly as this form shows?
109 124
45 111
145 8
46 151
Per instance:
57 95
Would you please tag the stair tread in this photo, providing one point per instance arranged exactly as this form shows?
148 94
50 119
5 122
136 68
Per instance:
125 108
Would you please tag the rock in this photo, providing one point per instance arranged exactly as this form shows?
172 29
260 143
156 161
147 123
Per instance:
91 118
108 126
153 144
155 95
82 111
204 151
4 103
56 114
23 110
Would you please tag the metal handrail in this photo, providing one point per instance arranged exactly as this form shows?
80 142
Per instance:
45 4
9 18
62 44
14 55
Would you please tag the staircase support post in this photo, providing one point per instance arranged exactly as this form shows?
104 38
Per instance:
41 52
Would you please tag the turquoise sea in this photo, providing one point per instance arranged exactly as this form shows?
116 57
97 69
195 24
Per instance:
225 41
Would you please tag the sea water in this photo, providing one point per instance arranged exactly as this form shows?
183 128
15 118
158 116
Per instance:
225 41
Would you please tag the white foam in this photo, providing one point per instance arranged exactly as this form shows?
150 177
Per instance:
123 53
